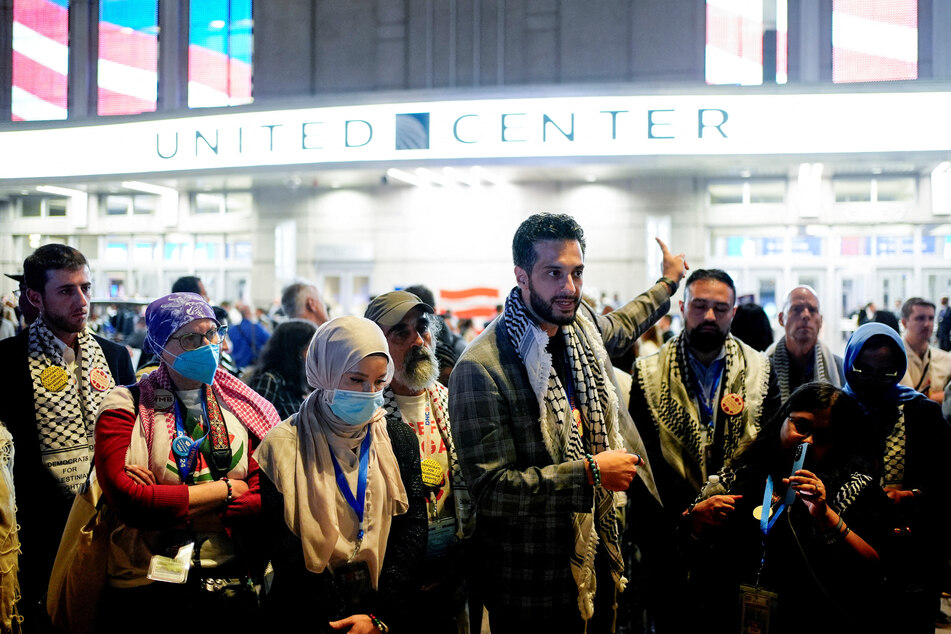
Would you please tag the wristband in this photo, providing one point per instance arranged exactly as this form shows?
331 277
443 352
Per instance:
595 472
669 282
230 497
378 624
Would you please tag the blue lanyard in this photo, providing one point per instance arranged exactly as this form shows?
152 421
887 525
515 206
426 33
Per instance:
765 521
358 503
183 446
708 408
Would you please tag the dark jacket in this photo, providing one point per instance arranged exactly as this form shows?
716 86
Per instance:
41 507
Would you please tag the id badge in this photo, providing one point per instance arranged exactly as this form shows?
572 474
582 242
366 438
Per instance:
353 582
442 535
172 569
757 608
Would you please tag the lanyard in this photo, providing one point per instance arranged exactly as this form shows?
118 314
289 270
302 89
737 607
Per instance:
570 392
184 447
357 503
707 401
767 519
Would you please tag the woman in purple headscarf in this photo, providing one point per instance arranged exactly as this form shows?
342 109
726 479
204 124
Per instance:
174 458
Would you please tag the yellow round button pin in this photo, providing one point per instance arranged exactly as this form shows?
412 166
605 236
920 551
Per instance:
433 475
54 378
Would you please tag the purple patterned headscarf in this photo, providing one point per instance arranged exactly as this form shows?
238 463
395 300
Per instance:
167 314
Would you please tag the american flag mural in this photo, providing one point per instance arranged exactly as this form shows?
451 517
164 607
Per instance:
219 56
874 40
734 45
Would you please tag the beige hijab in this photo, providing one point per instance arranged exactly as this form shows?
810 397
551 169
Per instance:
295 455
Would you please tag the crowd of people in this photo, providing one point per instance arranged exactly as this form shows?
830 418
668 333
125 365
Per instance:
380 472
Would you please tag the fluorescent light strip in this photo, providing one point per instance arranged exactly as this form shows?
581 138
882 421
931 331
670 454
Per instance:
406 177
60 191
148 188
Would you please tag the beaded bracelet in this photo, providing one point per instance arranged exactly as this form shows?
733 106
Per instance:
230 497
380 625
595 472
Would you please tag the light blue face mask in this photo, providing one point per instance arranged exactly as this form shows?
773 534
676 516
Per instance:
199 364
355 408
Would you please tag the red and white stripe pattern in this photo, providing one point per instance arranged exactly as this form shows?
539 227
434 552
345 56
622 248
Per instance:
470 303
127 67
734 47
40 60
874 40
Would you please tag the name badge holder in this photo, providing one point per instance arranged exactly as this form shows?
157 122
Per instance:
758 605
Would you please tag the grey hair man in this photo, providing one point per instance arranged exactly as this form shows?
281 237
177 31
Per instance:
301 300
799 357
416 397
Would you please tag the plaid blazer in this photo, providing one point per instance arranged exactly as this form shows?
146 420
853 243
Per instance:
523 501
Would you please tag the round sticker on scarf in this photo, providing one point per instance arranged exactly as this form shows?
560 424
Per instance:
433 475
731 404
164 400
99 379
54 378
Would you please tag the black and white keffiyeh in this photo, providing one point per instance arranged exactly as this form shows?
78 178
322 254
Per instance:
824 368
671 395
66 409
598 404
894 464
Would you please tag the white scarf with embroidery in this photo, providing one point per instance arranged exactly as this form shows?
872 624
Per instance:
66 410
598 403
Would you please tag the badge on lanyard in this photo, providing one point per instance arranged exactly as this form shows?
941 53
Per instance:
757 607
99 379
172 569
54 378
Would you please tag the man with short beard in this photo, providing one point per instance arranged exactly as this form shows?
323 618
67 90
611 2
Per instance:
543 442
703 396
55 375
416 398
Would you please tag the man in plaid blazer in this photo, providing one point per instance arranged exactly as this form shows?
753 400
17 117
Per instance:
526 502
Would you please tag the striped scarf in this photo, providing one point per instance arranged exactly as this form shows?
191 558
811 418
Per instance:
824 368
598 403
66 409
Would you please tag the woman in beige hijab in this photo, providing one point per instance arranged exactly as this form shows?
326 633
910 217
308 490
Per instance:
342 493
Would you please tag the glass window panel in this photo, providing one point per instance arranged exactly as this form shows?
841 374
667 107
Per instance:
219 53
208 203
852 190
856 245
238 250
896 190
116 252
118 205
178 251
767 192
128 56
726 193
205 251
238 202
144 251
31 206
144 203
56 207
40 59
874 40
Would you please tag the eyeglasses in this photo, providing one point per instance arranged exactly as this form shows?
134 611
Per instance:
193 340
870 375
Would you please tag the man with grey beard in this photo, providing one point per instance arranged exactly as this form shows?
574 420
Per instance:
416 397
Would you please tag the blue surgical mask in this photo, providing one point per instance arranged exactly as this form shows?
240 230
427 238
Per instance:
199 364
356 407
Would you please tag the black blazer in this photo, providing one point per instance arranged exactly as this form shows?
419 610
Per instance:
41 507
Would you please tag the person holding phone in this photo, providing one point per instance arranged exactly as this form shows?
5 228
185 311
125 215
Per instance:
801 525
